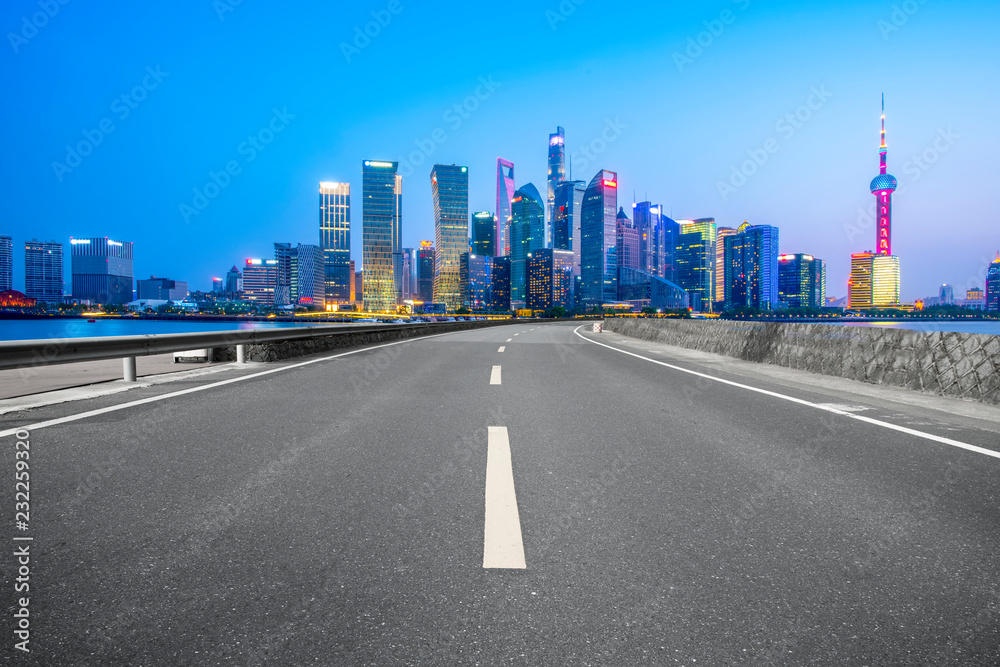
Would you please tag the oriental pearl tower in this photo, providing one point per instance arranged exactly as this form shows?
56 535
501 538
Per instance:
882 187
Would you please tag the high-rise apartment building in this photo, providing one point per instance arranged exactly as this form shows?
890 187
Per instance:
505 196
381 224
43 271
751 267
335 240
6 263
102 270
557 174
527 234
484 234
801 281
450 192
550 279
694 261
598 236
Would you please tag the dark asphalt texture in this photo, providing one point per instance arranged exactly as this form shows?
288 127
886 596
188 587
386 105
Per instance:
333 515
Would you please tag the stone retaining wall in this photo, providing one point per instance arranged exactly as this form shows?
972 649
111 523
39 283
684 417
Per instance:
937 362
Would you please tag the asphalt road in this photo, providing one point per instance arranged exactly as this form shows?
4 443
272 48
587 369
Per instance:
333 514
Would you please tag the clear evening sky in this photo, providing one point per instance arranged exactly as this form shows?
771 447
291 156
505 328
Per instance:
627 80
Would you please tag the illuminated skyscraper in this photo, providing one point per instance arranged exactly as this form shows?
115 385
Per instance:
6 263
751 267
234 282
550 279
485 282
557 174
381 225
568 207
43 271
694 264
527 234
648 220
598 236
283 253
450 191
627 245
882 186
720 263
874 281
484 234
505 194
801 281
425 272
307 284
993 285
102 270
259 279
335 240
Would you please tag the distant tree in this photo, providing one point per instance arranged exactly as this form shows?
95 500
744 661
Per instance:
462 310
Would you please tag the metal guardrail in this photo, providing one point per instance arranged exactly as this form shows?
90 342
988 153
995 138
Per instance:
46 352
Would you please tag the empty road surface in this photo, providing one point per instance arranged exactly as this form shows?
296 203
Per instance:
522 495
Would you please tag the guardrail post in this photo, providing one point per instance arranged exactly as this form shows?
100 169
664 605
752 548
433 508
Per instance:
128 368
241 354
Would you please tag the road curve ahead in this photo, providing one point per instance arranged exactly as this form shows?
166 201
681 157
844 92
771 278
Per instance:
515 495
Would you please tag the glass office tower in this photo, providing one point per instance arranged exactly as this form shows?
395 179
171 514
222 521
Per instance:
801 281
694 262
557 174
450 192
484 234
505 194
598 260
6 263
381 225
102 270
335 240
751 267
43 271
527 234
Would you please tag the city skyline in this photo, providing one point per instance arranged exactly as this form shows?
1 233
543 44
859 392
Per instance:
813 124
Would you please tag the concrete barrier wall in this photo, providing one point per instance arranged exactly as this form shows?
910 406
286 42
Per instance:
944 363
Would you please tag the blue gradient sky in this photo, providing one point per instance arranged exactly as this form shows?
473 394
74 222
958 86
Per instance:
685 127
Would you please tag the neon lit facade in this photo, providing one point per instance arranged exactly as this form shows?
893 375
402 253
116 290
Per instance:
335 239
882 187
557 174
993 285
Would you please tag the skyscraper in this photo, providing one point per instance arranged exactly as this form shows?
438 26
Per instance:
234 282
335 240
993 285
527 234
647 219
801 281
694 265
425 272
485 282
283 253
259 279
550 279
484 234
505 194
568 207
751 267
598 261
6 263
665 236
627 242
874 281
43 271
720 262
308 276
102 270
450 191
557 174
381 224
946 295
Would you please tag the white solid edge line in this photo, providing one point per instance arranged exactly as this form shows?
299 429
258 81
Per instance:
868 420
192 390
495 375
503 545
